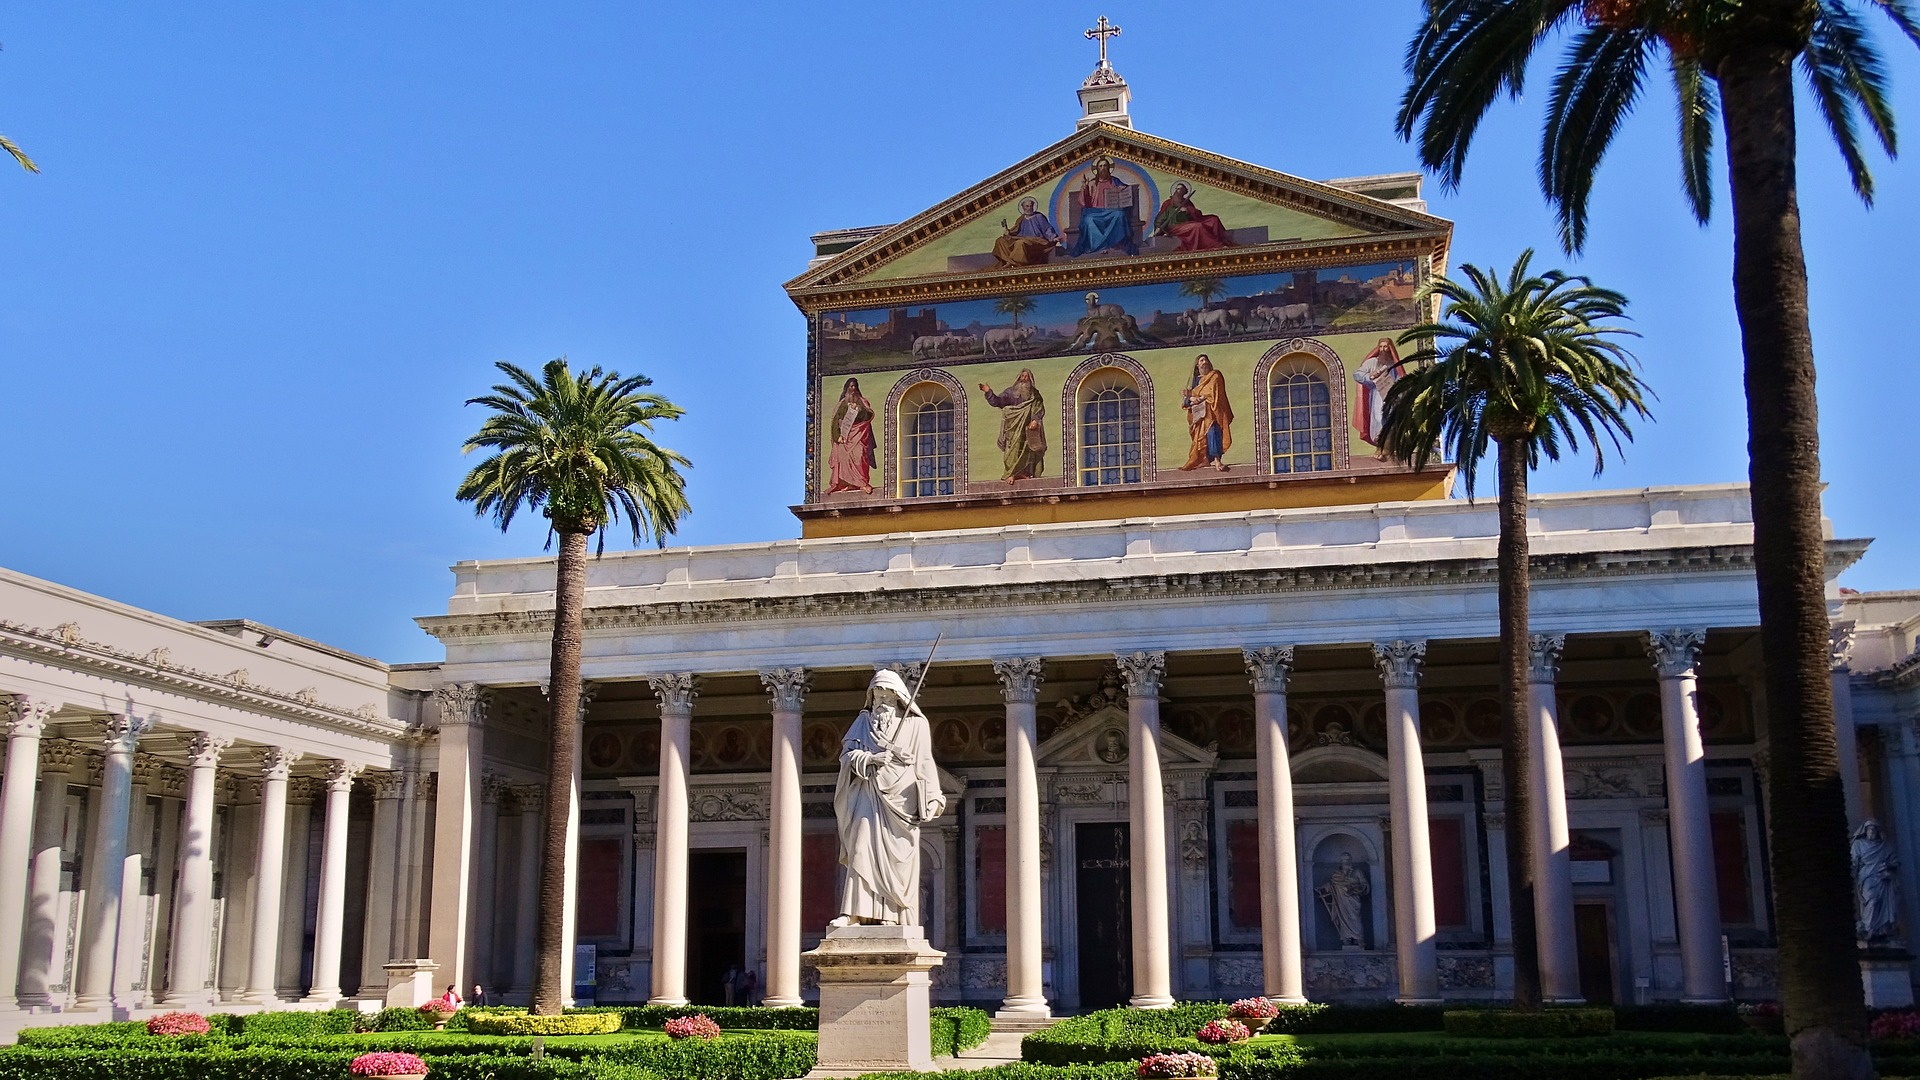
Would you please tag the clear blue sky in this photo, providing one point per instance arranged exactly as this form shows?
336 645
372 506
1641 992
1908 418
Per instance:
276 245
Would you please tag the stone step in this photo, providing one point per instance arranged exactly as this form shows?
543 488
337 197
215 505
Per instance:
1023 1025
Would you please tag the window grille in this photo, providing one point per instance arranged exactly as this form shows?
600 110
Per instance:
1109 430
926 442
1301 414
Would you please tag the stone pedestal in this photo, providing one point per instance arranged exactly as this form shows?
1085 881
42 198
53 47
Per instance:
874 1000
1887 977
410 983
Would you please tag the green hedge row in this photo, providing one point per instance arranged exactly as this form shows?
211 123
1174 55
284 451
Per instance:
1545 1024
280 1063
729 1017
958 1029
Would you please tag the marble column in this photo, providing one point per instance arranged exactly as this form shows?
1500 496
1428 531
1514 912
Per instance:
270 864
1147 822
1414 934
1280 937
1547 829
289 978
59 760
383 881
190 977
130 954
26 722
463 711
100 922
787 691
1026 975
1845 734
482 967
530 799
676 693
1696 892
572 867
329 927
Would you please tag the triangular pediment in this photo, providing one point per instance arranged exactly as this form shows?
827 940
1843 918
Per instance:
1229 206
1099 739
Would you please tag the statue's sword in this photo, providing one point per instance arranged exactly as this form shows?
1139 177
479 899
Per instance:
921 680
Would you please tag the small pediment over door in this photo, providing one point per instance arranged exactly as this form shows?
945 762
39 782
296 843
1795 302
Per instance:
1099 740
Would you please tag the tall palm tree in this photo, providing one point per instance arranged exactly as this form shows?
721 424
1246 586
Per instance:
1735 58
1015 306
574 446
12 149
1203 289
1530 366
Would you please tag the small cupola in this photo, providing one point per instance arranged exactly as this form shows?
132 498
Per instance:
1104 96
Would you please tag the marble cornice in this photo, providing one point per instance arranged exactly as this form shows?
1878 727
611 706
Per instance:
63 646
1213 585
1901 675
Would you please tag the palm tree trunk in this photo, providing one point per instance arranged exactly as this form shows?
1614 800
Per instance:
563 695
1812 881
1515 754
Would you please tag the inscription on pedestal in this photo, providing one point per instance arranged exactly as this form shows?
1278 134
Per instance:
874 999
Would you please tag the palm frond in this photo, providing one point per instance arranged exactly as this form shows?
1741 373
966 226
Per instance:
1698 100
1848 76
1595 88
1902 16
13 150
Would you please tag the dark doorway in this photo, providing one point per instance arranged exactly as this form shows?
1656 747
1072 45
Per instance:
1593 929
716 922
1105 892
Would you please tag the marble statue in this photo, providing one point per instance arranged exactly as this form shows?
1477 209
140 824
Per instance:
888 788
1873 865
1342 895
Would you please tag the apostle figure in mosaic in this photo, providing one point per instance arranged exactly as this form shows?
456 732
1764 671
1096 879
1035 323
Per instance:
1183 221
1342 895
1023 438
850 462
1029 241
1106 212
1209 417
888 788
1873 865
1375 376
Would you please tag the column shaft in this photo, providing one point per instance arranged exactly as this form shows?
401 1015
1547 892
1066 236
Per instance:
26 720
1280 938
269 872
1696 891
527 909
482 967
676 693
787 687
462 711
43 882
1415 944
190 979
1845 735
1026 975
383 882
1547 829
329 928
1147 823
100 922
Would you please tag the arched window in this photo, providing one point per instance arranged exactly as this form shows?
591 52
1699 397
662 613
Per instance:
926 441
1109 429
1300 416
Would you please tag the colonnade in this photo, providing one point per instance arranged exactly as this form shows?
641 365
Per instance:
1400 665
32 805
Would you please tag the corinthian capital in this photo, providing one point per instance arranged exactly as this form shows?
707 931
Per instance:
123 731
787 687
1400 662
27 716
461 704
1020 677
1840 641
1543 657
1674 652
1143 672
340 775
203 750
276 762
676 691
1268 666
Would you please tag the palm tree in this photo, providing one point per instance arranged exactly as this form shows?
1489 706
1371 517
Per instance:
575 447
1204 289
1530 366
1735 58
1015 306
13 149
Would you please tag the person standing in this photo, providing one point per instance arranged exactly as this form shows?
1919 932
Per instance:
729 981
850 462
1209 417
1023 438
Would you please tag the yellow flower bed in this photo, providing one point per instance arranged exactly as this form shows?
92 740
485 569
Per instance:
528 1024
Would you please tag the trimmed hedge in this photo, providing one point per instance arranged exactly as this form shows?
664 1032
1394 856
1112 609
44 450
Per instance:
729 1017
281 1063
520 1023
1673 1016
293 1025
958 1029
1117 1070
1545 1024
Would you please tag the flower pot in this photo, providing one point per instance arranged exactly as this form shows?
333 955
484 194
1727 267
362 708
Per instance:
1255 1024
439 1025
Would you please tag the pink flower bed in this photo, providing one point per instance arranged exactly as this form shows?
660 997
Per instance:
1176 1065
1897 1025
438 1007
178 1023
1257 1008
1223 1031
692 1027
388 1063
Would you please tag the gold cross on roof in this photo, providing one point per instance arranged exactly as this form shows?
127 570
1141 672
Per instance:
1101 31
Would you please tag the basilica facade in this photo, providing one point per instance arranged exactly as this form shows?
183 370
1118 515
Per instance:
1214 701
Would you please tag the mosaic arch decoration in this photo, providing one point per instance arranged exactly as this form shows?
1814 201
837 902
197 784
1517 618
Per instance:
1263 413
890 448
1070 416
